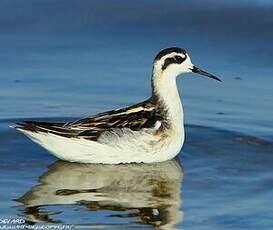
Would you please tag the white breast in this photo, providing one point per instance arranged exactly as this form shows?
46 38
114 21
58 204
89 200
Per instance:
125 145
119 146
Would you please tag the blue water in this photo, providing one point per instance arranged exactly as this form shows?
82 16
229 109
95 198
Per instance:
66 59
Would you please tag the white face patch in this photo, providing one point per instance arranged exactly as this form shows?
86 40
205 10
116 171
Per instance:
182 55
170 55
171 65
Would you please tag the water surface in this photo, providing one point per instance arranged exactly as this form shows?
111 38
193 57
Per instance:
67 59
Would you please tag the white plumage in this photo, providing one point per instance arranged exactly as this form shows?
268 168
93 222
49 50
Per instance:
151 131
118 146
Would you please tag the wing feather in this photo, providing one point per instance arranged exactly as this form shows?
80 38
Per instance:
141 116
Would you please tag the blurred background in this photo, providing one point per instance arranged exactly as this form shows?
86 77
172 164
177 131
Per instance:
67 59
74 58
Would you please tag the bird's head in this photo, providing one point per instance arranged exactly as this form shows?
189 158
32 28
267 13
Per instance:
175 61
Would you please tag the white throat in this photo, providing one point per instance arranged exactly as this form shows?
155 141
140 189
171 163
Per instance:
165 87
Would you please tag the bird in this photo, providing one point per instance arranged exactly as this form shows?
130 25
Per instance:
147 132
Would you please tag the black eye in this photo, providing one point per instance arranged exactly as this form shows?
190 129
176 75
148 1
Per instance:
179 59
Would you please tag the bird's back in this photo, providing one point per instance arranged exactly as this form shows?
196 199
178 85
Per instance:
139 133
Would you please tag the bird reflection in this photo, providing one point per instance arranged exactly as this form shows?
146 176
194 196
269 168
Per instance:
149 193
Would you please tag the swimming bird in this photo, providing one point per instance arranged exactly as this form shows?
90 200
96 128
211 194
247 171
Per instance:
150 131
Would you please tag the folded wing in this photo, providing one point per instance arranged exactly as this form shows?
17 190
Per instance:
138 117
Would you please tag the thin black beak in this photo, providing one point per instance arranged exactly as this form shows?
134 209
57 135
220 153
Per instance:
201 72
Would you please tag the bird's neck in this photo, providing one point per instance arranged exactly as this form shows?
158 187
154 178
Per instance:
164 87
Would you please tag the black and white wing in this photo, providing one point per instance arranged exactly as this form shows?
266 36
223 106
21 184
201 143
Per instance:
140 116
